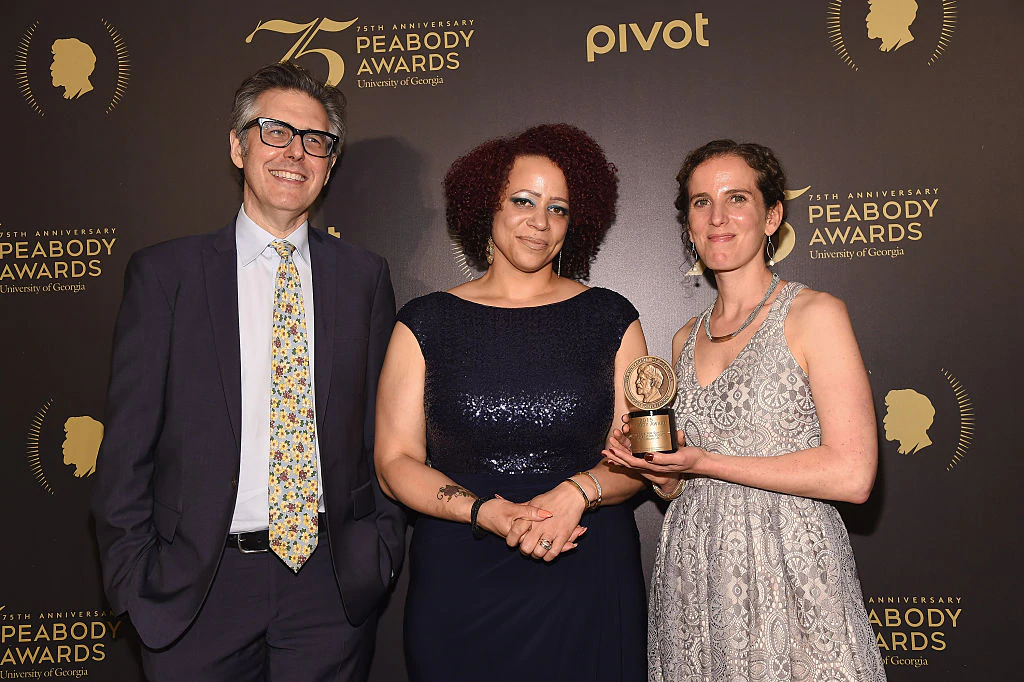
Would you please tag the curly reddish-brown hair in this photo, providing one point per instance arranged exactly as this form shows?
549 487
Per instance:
475 184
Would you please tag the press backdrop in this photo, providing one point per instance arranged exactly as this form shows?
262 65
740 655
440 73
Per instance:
903 167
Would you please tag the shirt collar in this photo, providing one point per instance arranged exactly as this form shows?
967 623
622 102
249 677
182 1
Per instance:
251 239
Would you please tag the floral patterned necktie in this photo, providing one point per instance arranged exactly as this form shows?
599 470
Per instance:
293 485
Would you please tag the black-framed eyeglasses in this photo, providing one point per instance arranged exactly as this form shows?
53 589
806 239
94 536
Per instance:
276 133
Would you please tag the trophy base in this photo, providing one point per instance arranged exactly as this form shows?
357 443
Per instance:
652 431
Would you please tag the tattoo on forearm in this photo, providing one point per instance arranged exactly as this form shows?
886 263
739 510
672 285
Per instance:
447 492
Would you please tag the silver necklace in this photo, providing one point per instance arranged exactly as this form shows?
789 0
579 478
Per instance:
753 314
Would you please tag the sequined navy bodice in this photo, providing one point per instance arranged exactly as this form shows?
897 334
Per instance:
518 390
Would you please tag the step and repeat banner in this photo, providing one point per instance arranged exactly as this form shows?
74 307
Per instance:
898 123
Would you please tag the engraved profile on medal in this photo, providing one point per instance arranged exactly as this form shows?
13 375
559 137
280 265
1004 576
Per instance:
649 383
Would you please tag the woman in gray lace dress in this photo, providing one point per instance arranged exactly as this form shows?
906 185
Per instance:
755 577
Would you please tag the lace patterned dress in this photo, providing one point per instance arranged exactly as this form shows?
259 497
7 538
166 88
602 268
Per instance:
750 584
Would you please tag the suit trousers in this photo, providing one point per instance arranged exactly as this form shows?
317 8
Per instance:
261 622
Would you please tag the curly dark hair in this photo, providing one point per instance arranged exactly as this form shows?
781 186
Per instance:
771 179
475 183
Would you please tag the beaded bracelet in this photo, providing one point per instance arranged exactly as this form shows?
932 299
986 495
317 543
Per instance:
672 495
600 493
583 492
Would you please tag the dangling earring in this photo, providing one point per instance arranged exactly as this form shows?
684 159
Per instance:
490 251
769 250
559 270
693 252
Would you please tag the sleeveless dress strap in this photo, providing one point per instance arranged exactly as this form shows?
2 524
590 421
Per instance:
780 307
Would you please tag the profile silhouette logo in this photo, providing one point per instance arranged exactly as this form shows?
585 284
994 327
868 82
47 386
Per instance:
86 63
62 445
73 63
890 21
908 417
937 413
920 30
81 444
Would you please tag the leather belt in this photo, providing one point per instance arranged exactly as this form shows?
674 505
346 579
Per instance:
258 541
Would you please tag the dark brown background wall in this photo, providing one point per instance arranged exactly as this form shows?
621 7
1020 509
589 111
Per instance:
904 166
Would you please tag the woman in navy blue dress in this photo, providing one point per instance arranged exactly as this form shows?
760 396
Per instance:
494 404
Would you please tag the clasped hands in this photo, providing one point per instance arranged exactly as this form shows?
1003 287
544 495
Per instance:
542 527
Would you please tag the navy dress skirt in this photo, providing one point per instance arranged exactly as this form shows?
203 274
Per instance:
516 400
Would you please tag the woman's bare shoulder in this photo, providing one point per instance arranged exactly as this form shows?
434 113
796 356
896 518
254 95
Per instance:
818 310
680 337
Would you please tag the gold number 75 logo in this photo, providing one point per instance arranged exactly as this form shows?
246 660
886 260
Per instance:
336 65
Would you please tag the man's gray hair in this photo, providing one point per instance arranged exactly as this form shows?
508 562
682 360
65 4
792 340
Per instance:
286 76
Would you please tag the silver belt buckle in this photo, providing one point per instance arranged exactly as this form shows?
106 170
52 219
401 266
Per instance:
241 547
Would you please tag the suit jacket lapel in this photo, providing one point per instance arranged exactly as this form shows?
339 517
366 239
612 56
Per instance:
325 298
221 268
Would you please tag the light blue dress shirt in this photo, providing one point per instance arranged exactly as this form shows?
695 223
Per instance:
257 269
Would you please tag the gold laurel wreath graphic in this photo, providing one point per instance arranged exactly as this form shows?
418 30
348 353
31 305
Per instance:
948 26
123 64
966 407
834 31
460 260
32 446
21 67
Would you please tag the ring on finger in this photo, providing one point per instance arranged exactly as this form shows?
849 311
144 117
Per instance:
546 544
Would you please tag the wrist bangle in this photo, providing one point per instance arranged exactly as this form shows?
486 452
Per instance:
597 484
586 500
672 495
474 511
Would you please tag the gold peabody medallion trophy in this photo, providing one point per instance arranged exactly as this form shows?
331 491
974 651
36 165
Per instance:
650 385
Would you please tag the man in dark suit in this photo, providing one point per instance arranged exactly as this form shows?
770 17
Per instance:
239 520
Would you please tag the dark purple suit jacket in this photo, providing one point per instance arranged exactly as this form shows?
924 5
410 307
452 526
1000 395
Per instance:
167 472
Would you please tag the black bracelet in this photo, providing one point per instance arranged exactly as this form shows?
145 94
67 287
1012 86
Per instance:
478 532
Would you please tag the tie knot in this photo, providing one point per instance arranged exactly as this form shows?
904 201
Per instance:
283 248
